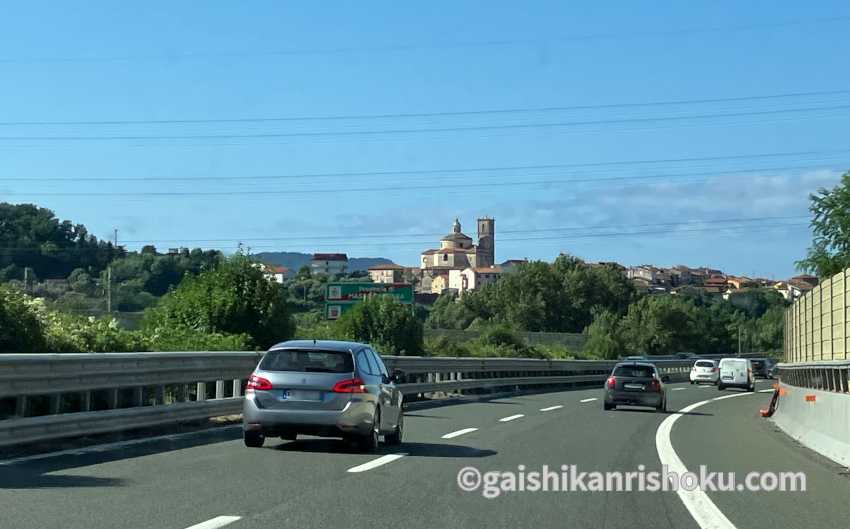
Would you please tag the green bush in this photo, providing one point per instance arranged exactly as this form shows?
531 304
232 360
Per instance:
233 298
385 323
21 329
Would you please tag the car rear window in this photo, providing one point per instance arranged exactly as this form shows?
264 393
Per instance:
704 363
308 361
634 371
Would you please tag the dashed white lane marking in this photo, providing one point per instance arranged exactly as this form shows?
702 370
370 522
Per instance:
704 512
215 523
679 389
511 418
94 449
589 400
550 408
765 391
375 463
459 433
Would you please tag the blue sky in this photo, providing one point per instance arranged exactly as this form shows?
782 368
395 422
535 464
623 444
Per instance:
593 162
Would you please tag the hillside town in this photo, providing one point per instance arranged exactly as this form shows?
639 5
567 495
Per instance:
461 264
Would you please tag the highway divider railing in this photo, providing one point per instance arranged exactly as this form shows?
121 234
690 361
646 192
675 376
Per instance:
826 375
49 396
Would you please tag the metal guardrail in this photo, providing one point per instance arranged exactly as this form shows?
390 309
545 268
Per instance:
52 396
828 375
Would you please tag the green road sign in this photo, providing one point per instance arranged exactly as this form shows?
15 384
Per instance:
339 297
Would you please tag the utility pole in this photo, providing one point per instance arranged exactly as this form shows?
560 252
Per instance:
26 279
115 240
739 339
109 289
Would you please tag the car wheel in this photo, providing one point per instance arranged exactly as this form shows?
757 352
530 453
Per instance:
370 441
396 437
606 406
721 387
253 439
692 382
662 408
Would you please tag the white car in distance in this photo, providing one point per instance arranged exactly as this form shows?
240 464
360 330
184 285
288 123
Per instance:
704 371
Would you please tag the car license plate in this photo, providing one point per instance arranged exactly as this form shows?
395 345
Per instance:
633 386
297 394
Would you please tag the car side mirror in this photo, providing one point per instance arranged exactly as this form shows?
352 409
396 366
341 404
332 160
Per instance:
665 378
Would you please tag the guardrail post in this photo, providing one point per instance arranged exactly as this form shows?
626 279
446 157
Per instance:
237 388
22 406
85 404
112 399
137 396
159 398
183 393
219 389
201 392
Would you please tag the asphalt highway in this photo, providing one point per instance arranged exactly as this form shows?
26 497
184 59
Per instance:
206 480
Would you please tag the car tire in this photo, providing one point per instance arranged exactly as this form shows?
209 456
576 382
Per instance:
253 439
607 406
369 442
662 408
395 438
721 387
692 382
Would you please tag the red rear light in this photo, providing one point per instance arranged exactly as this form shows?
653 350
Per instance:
717 370
258 383
351 385
655 385
611 382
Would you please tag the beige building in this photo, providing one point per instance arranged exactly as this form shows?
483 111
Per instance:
472 278
387 273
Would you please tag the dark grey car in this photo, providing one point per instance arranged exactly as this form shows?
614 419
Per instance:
635 384
324 388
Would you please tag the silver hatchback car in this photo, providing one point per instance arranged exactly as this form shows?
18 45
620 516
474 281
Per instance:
324 388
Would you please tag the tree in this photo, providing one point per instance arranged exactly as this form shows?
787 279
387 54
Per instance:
385 323
658 325
830 250
604 338
233 298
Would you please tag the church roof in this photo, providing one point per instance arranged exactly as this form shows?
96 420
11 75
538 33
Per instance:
456 237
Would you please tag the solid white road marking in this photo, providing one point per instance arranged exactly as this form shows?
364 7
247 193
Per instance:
679 389
550 408
375 463
459 433
704 512
112 446
511 418
766 391
589 400
215 523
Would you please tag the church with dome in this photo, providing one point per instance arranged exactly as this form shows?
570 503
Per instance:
458 253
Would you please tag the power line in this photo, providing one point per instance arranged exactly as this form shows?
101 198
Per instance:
474 128
426 114
510 231
405 188
453 170
406 47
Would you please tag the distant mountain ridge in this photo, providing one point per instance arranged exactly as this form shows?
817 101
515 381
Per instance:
295 260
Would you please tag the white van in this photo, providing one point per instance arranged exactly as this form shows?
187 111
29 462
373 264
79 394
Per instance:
736 373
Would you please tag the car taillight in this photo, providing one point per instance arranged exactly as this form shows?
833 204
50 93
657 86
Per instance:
611 382
717 370
350 385
655 385
258 383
